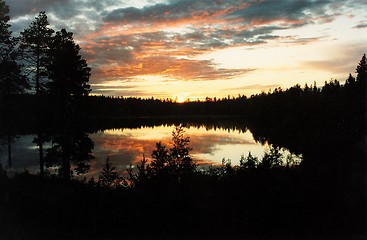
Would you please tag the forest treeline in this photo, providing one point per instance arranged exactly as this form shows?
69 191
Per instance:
332 101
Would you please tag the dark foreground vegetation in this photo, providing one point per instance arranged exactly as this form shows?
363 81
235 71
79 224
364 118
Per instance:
170 197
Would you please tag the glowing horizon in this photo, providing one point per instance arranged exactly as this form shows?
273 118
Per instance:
208 48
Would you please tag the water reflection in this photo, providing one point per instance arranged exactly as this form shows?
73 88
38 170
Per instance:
128 146
24 154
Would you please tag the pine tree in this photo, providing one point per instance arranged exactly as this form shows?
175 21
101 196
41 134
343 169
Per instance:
361 70
35 42
350 80
361 78
109 177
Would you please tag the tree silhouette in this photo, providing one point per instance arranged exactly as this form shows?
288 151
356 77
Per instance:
12 81
180 151
361 79
350 80
271 159
34 42
362 70
167 165
69 75
177 159
109 177
249 162
162 162
70 146
68 72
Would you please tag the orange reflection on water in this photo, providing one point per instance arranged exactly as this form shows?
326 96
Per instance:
128 146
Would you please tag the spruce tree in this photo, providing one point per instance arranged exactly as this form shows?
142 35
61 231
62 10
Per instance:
361 78
68 72
68 86
362 69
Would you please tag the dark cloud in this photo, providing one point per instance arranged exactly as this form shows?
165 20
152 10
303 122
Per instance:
20 24
287 11
361 25
291 13
25 7
254 22
266 37
122 42
117 91
63 9
254 87
74 15
165 12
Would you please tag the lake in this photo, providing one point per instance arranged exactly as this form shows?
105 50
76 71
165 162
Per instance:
128 146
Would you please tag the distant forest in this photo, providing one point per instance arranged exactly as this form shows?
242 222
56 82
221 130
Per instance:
333 99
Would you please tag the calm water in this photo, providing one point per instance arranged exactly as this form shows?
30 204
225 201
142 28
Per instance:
128 146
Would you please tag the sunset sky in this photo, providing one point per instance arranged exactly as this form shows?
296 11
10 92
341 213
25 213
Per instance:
197 48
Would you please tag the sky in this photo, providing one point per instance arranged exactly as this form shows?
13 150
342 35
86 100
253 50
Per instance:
192 49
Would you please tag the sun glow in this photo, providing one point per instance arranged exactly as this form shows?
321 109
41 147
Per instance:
181 99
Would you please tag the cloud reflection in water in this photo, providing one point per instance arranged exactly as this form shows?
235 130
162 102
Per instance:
125 146
128 146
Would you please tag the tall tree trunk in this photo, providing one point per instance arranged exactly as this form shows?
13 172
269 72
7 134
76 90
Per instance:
9 151
66 173
40 151
7 112
38 70
39 122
